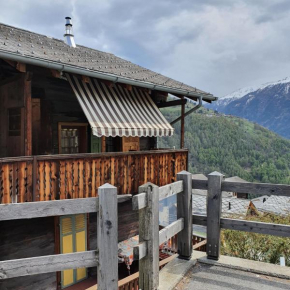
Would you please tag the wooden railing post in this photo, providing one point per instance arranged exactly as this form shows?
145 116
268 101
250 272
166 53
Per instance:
149 233
184 210
214 210
107 237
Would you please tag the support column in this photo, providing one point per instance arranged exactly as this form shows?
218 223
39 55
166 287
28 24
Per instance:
182 125
27 115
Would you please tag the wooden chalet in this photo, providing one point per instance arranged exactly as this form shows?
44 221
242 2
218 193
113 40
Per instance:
72 119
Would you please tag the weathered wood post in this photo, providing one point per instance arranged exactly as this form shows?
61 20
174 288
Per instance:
107 238
214 211
149 233
184 210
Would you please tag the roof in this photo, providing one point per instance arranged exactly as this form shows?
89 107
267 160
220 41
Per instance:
258 202
199 176
235 179
279 205
30 45
230 206
204 192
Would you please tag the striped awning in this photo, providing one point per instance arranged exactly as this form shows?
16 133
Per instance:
116 111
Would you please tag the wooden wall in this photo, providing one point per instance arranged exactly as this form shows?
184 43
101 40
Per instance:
15 93
24 239
58 104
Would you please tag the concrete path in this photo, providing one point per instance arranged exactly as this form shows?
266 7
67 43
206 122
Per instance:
209 277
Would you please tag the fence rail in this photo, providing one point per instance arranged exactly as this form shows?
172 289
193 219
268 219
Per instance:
29 210
246 187
213 221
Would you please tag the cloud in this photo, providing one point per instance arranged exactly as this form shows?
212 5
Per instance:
217 46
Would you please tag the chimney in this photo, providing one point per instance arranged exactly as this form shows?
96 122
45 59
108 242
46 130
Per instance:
68 36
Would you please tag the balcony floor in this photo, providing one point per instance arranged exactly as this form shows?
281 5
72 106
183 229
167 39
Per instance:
210 277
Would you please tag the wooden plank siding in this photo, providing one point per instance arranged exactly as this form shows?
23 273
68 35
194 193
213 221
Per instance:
79 175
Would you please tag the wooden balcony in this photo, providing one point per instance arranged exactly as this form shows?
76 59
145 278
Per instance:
54 177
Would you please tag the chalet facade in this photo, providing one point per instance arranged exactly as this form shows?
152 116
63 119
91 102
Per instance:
72 119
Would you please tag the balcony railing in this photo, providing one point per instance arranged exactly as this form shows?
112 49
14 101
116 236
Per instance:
69 176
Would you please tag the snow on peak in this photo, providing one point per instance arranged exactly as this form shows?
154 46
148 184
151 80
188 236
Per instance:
244 91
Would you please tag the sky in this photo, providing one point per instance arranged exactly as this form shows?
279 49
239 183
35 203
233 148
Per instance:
218 46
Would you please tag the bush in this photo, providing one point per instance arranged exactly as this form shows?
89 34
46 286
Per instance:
258 247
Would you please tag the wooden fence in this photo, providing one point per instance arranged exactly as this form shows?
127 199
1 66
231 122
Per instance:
69 176
150 238
147 202
104 257
213 221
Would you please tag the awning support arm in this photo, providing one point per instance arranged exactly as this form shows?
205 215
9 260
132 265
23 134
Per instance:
190 111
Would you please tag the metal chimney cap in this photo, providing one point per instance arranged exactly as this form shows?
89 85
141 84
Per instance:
68 36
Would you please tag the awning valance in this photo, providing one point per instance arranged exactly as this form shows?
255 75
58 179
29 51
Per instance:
116 111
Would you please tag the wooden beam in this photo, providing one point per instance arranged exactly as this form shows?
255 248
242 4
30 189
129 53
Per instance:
108 83
140 251
47 264
149 233
21 67
256 188
172 103
182 96
182 126
247 187
125 86
86 79
184 210
28 210
55 73
28 115
198 245
171 230
139 201
156 93
170 189
107 237
199 184
214 211
247 226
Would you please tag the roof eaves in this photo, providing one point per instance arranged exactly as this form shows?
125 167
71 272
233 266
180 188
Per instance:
102 75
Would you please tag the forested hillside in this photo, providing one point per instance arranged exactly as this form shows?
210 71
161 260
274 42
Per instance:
232 146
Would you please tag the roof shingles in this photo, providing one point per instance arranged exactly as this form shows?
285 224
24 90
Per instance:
39 46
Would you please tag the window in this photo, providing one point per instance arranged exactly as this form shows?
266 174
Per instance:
14 122
70 141
73 238
72 138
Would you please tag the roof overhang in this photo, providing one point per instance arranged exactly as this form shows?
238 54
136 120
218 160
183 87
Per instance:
101 75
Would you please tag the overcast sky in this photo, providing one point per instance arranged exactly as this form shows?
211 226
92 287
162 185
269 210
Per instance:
215 45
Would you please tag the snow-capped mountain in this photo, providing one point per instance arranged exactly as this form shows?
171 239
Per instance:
267 105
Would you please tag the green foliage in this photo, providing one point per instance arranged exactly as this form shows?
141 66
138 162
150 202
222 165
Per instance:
231 145
257 247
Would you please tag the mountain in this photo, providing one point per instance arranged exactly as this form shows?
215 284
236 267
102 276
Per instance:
267 105
231 145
